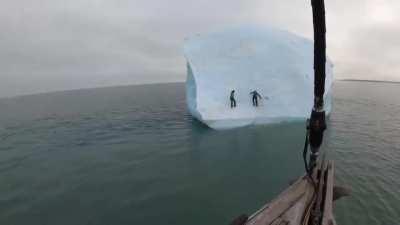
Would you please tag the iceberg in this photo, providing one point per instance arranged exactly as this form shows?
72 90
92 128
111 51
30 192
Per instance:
276 63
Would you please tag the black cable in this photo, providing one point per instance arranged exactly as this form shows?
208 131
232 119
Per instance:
309 173
305 153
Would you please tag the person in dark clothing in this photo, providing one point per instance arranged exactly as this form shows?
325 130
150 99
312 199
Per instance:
255 97
232 98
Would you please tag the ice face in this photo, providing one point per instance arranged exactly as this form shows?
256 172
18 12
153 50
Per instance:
278 64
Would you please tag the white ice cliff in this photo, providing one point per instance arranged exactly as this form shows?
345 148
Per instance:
276 63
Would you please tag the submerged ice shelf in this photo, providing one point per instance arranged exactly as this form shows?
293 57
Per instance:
276 63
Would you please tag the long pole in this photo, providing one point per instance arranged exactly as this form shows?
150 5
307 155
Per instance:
317 124
318 8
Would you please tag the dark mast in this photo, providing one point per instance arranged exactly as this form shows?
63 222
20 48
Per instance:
318 8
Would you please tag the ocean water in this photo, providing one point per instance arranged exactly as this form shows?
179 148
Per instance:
133 155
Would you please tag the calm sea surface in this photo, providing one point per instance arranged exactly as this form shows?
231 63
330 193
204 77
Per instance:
133 155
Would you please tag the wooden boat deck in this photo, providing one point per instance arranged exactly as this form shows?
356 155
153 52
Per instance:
293 204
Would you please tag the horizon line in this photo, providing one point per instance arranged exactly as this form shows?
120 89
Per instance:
168 82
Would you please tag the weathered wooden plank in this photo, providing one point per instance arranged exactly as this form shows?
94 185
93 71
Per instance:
289 200
278 221
290 205
328 218
317 213
295 214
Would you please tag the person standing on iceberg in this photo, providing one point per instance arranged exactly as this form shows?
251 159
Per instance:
232 98
255 95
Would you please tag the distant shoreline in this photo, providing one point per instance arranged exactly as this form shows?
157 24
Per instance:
370 81
90 89
156 83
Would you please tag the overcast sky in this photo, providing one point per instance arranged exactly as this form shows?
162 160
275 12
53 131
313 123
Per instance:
48 45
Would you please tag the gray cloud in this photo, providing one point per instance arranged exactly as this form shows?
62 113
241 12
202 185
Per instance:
53 45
